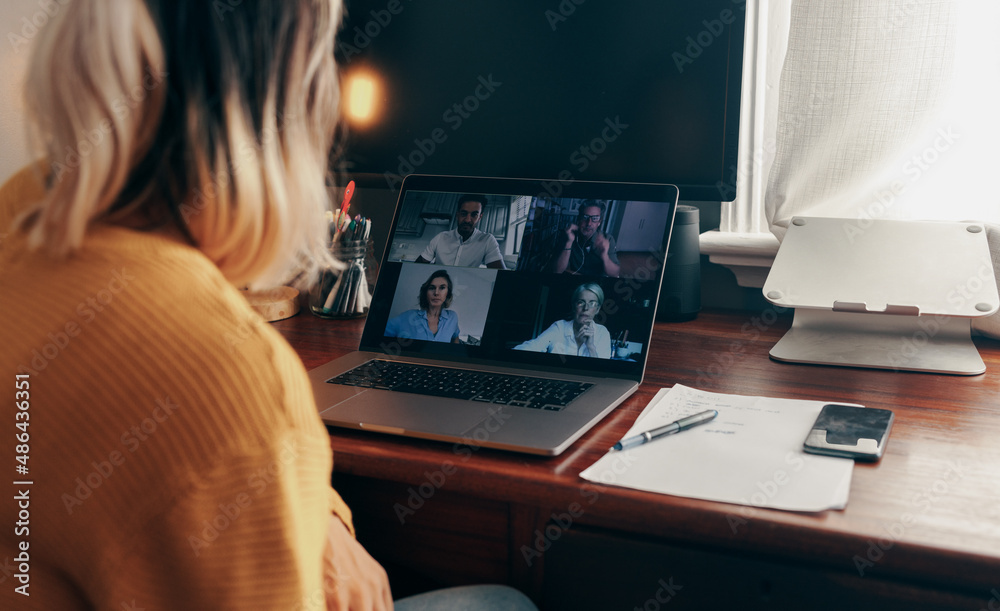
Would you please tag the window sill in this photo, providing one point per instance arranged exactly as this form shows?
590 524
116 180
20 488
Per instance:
748 255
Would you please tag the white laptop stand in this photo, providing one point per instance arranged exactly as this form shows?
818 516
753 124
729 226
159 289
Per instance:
884 294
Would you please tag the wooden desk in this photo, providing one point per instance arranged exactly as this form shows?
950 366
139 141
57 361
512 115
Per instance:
921 530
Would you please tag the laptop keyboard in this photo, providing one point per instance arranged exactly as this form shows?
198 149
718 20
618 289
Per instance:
500 389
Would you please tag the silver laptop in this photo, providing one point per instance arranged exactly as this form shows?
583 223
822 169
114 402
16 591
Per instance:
508 313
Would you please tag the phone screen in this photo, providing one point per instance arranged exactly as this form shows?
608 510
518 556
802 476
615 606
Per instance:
850 431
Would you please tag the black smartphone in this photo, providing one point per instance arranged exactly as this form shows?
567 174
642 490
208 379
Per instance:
849 431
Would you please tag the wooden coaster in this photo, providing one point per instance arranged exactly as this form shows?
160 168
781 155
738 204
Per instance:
274 304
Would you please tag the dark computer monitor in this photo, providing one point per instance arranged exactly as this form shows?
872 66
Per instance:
568 90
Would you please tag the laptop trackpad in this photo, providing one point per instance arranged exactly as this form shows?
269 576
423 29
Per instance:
409 412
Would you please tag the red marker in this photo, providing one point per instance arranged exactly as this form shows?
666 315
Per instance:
348 192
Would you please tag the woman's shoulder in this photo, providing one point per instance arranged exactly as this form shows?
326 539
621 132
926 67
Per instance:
151 335
142 304
169 282
188 297
405 319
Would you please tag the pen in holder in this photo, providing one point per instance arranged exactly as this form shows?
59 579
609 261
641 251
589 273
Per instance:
619 346
346 293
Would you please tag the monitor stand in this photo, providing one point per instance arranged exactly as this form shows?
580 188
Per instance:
884 294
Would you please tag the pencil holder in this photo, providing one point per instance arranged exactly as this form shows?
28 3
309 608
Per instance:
346 293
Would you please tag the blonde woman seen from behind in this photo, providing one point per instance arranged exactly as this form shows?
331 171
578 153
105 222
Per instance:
176 455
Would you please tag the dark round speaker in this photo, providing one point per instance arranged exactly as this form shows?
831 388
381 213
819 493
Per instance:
680 295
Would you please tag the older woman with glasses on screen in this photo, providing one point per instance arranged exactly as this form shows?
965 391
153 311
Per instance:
578 335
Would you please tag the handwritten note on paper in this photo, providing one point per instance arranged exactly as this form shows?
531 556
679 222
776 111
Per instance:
751 454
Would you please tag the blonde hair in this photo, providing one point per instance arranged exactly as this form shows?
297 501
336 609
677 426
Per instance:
216 117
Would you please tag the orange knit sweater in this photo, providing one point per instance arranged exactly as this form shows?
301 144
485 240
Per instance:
175 456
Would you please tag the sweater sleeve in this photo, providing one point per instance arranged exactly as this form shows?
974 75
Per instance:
340 509
245 498
184 462
247 534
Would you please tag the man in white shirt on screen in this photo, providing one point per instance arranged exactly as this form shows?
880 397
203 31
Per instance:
465 245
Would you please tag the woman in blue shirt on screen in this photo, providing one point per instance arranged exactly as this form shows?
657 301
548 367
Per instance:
433 321
579 335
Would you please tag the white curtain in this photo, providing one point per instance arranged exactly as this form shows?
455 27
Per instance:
889 109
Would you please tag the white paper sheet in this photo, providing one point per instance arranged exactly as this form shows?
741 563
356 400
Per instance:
751 454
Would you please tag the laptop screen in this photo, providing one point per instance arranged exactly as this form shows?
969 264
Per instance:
552 276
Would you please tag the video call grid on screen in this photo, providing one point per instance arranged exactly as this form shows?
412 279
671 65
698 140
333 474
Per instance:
502 312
